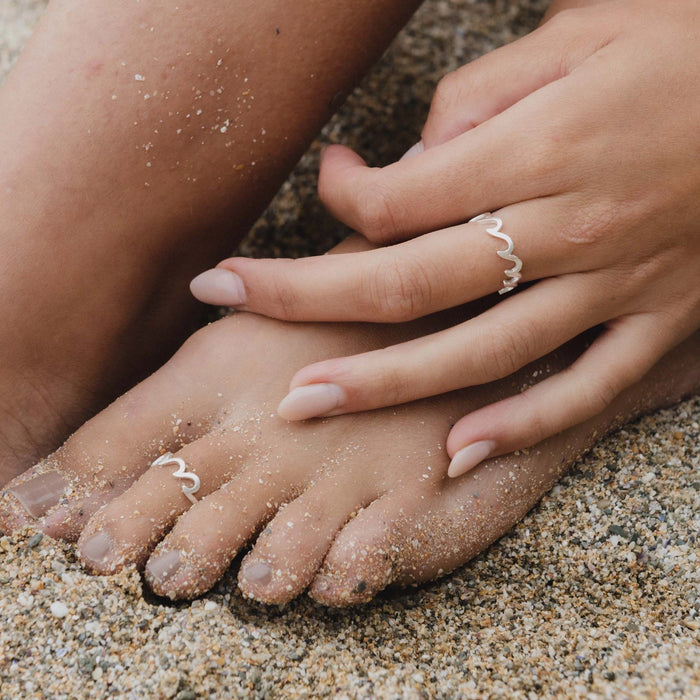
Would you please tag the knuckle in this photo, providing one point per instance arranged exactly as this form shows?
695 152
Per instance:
283 298
326 188
538 425
591 225
504 349
599 394
444 120
447 91
391 384
377 212
399 289
325 195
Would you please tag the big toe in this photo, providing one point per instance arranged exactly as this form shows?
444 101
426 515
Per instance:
107 454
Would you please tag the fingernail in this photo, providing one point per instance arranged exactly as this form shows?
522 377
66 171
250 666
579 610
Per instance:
311 401
40 494
98 549
162 567
220 287
413 150
257 573
468 457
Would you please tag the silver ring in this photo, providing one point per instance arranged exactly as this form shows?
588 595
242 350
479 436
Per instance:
493 228
181 473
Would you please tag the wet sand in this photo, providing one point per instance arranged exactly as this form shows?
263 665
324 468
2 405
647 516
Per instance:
595 594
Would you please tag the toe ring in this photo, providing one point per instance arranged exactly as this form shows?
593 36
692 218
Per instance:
181 473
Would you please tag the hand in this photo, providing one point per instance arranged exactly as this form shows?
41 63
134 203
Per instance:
583 137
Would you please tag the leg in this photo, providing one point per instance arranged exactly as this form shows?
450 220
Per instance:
344 506
139 141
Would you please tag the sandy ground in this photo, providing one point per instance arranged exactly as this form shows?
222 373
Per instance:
594 594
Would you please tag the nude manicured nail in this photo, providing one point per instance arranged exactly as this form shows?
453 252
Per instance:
40 494
311 401
414 150
470 456
163 567
257 572
98 549
219 286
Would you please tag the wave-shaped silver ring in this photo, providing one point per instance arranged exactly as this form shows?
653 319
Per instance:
493 228
181 473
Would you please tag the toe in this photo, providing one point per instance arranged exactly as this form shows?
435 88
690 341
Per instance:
362 559
203 543
30 496
124 531
408 537
103 458
292 547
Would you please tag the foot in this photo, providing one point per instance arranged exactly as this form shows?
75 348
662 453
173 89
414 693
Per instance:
340 507
135 152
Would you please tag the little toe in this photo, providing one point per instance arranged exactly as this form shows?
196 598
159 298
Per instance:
292 547
408 537
204 541
362 559
125 531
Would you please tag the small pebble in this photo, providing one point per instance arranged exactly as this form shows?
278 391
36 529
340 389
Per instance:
186 695
59 609
35 539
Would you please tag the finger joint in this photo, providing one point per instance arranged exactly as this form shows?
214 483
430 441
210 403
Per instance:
399 289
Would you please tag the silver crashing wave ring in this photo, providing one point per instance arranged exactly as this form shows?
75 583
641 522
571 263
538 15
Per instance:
181 473
493 228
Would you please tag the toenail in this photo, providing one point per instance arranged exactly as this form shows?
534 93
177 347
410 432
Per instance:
257 573
40 494
311 401
98 549
219 286
162 567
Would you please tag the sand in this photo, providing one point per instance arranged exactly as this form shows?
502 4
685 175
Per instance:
594 594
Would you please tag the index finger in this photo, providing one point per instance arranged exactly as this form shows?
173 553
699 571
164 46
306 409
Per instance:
515 156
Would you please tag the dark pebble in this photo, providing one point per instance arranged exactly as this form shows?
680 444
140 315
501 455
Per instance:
35 539
619 531
86 664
